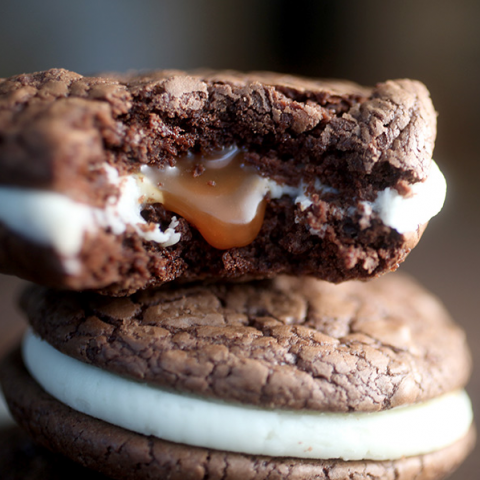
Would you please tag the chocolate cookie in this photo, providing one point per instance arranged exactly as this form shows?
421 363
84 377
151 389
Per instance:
288 342
128 181
287 378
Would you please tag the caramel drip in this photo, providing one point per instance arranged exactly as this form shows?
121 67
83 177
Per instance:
219 195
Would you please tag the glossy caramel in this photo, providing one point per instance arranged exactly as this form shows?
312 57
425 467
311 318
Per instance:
219 195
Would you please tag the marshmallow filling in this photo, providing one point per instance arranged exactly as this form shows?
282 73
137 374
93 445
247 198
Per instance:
54 220
182 418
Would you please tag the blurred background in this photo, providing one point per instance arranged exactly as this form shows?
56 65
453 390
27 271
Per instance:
435 41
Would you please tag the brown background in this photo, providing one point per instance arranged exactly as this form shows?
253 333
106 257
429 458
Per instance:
435 41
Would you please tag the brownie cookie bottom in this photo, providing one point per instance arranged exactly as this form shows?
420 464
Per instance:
194 420
23 459
122 454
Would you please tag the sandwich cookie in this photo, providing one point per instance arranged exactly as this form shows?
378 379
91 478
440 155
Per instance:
122 182
287 378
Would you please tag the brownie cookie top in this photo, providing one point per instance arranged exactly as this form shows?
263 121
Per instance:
57 127
122 454
295 343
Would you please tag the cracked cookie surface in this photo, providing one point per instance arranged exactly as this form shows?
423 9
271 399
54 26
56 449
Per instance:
295 343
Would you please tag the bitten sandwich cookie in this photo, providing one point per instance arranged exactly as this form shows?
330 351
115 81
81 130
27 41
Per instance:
122 182
285 378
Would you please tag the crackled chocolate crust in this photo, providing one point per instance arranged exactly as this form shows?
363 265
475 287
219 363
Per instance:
121 454
56 126
287 343
58 129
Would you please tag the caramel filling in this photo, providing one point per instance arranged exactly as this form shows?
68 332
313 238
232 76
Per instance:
221 196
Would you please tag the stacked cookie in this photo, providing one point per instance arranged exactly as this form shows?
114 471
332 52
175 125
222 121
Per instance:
188 231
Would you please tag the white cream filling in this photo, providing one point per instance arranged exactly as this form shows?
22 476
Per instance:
406 214
5 417
53 219
149 410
